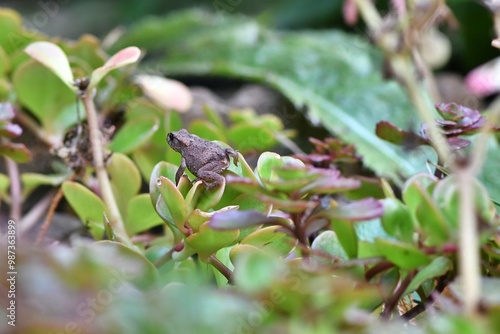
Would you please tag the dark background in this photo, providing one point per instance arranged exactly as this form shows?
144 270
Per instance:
71 18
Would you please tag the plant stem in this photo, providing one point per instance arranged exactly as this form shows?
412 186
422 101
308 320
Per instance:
469 255
402 64
115 218
228 274
15 189
377 269
164 258
442 282
36 213
393 301
50 214
370 14
423 105
469 265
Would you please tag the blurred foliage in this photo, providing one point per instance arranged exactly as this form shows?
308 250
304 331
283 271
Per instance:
296 244
470 43
334 76
8 130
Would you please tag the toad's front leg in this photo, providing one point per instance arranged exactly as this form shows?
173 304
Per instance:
180 171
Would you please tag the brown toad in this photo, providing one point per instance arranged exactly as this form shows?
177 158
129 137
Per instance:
205 159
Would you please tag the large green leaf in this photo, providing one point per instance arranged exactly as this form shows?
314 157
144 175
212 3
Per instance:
46 96
134 134
87 205
403 255
31 181
439 266
335 76
489 172
13 36
125 180
141 214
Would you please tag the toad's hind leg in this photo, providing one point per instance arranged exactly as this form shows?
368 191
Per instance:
210 176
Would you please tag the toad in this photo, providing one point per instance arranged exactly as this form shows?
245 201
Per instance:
205 159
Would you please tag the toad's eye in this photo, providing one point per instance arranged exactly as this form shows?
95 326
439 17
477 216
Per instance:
170 136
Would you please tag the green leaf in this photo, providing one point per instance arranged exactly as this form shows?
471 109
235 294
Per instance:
347 236
214 118
87 205
268 161
208 241
369 230
209 198
121 58
4 186
288 205
256 270
414 187
330 185
243 169
251 137
328 243
134 134
162 168
15 151
397 220
438 267
141 215
87 49
401 254
131 264
230 220
431 220
370 187
146 159
250 202
10 26
54 58
5 89
336 76
174 201
223 256
31 181
271 238
446 196
193 195
125 180
207 131
46 96
489 170
198 217
364 209
389 132
4 62
140 108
